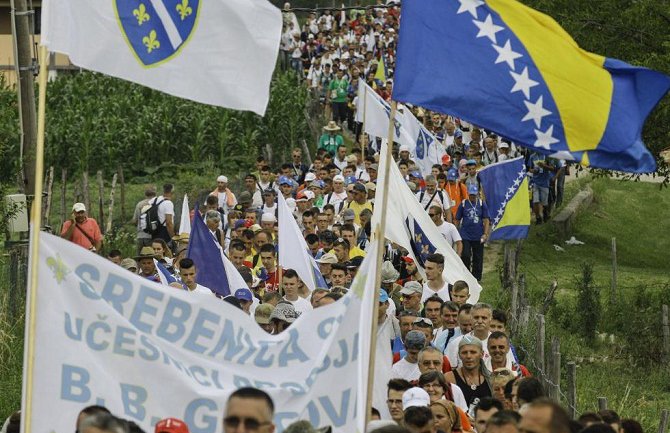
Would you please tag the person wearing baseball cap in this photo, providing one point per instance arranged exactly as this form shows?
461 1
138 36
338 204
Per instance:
411 297
408 367
473 222
82 230
171 425
246 299
262 316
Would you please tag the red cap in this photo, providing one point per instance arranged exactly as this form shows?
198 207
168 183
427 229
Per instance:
171 425
446 159
407 259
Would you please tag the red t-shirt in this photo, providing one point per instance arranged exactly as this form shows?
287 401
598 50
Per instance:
89 227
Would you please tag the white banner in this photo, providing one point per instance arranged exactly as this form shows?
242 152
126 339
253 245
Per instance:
145 351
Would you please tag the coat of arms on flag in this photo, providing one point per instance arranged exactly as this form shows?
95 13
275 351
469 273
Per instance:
422 247
157 29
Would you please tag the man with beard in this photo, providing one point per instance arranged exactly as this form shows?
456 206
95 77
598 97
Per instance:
471 376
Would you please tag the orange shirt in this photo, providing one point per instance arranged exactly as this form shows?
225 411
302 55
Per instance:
90 227
457 193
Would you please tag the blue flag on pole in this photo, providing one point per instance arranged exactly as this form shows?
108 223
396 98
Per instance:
207 256
513 70
163 274
505 187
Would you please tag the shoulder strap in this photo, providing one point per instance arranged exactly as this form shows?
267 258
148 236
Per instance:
431 199
90 239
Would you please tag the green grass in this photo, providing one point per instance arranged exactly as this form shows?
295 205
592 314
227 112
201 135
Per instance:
638 215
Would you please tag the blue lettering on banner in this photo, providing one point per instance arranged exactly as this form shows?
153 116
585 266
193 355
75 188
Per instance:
83 271
335 418
116 298
142 307
73 334
120 339
90 335
201 330
151 353
228 339
74 381
291 350
197 370
201 421
172 327
259 360
133 398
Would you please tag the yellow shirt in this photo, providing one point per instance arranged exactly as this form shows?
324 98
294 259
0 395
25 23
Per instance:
358 208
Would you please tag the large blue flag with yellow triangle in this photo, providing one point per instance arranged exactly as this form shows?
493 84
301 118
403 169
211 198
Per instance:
508 68
505 187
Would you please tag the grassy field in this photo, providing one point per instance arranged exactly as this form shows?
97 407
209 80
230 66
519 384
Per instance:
638 215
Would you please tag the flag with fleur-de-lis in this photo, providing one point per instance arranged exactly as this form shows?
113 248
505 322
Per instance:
218 52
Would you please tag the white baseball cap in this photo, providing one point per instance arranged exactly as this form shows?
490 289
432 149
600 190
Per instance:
222 178
268 218
415 397
404 148
79 207
310 177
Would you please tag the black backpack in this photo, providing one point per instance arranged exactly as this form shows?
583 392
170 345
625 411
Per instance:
153 223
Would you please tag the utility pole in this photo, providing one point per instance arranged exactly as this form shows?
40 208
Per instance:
21 19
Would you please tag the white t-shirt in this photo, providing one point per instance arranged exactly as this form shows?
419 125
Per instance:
202 290
301 305
166 207
405 370
455 360
443 293
450 233
459 398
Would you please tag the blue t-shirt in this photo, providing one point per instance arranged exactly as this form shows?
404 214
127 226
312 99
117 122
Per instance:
543 176
472 217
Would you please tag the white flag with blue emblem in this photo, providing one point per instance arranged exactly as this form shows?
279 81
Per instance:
218 52
374 112
408 225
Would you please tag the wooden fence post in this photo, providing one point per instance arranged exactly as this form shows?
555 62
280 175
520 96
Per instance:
111 205
515 308
572 389
539 347
666 334
663 426
101 192
85 191
49 191
555 372
613 285
63 192
602 403
123 194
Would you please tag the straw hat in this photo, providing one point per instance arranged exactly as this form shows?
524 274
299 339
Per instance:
332 126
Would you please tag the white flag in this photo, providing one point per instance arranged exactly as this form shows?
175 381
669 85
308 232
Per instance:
293 251
109 337
185 221
218 52
375 113
408 225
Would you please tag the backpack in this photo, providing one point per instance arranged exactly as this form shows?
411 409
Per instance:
149 220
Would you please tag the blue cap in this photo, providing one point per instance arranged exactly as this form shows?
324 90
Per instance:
416 173
243 294
283 180
458 133
383 296
473 189
239 224
471 162
452 174
349 180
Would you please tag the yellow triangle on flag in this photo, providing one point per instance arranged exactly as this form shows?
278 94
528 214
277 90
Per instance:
517 211
381 70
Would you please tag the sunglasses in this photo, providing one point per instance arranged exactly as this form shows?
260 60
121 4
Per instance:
249 423
433 215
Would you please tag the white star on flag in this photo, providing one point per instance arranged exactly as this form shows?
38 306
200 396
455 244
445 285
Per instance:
517 182
506 54
469 6
535 111
510 190
522 82
501 211
496 221
488 29
545 139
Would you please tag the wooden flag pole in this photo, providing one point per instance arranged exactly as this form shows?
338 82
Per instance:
379 239
364 139
36 218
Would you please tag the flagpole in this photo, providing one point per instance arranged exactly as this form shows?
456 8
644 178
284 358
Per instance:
36 218
379 238
364 137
